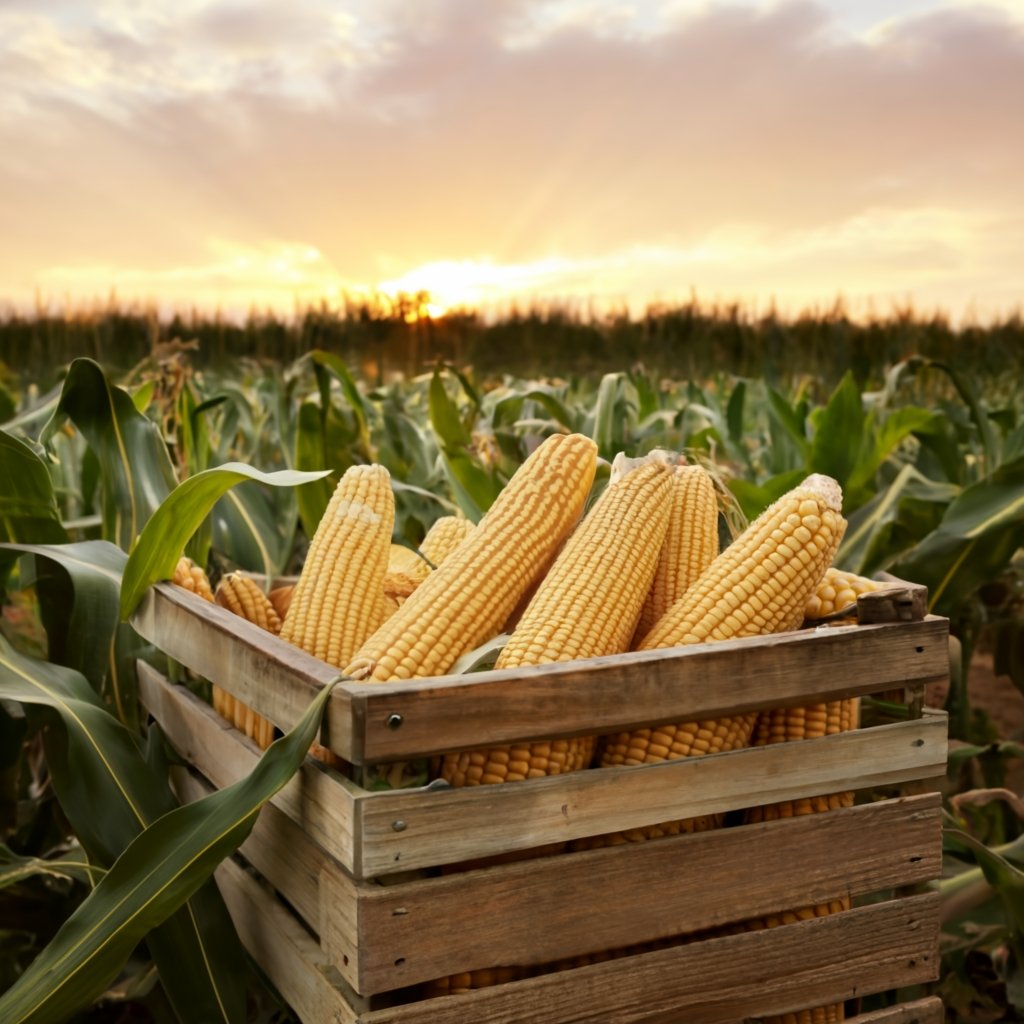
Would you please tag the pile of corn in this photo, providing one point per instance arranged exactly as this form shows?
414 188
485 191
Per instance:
640 570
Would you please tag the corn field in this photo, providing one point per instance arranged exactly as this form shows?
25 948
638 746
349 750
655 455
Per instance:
187 446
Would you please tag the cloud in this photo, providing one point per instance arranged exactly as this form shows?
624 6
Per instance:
517 134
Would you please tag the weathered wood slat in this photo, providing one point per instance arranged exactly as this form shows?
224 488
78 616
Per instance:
830 959
382 938
920 1011
450 713
275 678
277 848
283 949
410 829
573 698
322 801
445 826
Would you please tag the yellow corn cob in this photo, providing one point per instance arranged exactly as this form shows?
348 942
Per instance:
585 607
465 600
443 537
837 591
691 543
190 576
337 602
281 599
759 584
243 596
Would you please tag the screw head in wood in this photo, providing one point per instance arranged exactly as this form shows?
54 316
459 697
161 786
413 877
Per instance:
399 826
394 721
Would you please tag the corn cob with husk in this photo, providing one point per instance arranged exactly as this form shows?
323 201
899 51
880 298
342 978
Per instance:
608 563
760 584
339 599
244 596
469 596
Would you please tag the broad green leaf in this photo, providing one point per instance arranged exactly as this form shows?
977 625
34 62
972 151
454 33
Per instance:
155 875
360 407
310 454
136 468
787 423
155 555
880 443
610 425
868 541
979 533
838 432
255 530
79 588
28 507
106 790
734 413
445 418
474 488
755 498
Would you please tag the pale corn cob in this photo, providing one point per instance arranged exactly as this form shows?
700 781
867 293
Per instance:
759 584
690 545
337 602
586 606
465 600
243 596
837 592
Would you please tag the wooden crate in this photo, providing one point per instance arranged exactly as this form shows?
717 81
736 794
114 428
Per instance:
347 903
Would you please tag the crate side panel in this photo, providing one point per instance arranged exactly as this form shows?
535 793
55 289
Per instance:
277 847
920 1011
283 949
275 678
560 906
423 828
812 963
806 667
323 803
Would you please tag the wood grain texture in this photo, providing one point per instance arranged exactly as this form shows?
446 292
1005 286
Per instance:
414 829
543 910
283 949
457 712
921 1011
268 674
830 959
317 798
898 602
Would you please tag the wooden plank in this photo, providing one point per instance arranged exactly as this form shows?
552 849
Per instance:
320 800
812 963
277 848
403 720
456 712
276 678
382 938
921 1011
284 950
422 828
898 602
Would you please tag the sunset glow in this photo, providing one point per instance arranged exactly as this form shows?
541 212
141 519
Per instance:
232 155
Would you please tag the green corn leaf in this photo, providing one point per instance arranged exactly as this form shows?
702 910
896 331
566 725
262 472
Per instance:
28 506
109 795
979 533
162 541
838 432
445 418
361 409
136 468
253 530
155 876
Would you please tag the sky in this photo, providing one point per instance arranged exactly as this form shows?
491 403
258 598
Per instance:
237 154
